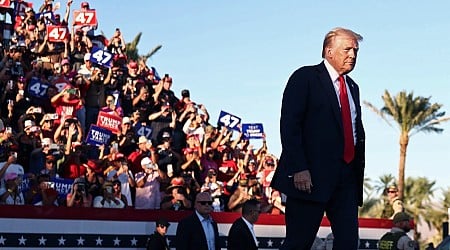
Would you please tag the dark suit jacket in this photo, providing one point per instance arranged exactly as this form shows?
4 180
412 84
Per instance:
157 242
312 136
191 236
240 237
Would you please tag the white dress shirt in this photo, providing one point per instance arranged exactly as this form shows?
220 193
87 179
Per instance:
209 231
335 78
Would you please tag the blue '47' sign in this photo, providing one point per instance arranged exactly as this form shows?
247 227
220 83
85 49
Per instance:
36 88
143 130
101 57
229 120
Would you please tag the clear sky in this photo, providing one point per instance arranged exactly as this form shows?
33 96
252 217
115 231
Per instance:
236 56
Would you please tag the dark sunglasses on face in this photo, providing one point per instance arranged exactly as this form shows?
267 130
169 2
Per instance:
205 202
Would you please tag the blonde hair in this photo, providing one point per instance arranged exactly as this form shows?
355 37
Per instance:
329 37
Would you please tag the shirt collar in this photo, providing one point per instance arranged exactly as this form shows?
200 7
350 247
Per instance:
201 218
331 71
250 225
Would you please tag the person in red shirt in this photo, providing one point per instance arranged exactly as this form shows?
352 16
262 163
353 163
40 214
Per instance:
67 103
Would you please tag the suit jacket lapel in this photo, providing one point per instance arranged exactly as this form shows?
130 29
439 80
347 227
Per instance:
249 233
199 225
328 86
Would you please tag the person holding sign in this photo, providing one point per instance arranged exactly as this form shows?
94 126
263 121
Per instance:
321 167
111 106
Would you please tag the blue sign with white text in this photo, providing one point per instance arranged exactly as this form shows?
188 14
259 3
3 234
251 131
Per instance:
252 130
98 136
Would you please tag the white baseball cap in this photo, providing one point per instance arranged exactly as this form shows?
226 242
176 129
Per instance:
146 161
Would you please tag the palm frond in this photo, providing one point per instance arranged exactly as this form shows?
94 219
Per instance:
151 53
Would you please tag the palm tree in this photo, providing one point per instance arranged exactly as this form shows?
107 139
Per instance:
132 51
375 197
418 194
412 115
384 182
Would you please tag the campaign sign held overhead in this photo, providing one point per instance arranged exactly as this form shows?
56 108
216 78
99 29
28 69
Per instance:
85 17
143 130
98 136
229 120
252 130
101 57
37 89
109 121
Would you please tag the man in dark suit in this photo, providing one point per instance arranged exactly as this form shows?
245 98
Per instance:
198 231
241 235
321 166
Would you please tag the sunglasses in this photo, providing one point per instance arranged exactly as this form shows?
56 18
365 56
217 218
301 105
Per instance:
205 202
50 162
391 192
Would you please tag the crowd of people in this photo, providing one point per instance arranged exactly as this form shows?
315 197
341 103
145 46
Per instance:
80 131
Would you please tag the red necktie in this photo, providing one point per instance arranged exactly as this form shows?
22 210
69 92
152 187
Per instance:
349 147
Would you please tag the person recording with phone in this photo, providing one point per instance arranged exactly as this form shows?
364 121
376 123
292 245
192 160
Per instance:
148 194
48 125
126 139
111 106
7 141
79 197
117 43
9 193
67 103
43 193
69 127
108 200
28 140
12 196
18 100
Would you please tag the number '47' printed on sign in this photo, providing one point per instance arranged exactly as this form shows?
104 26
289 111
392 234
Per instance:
86 17
37 89
101 57
229 120
57 33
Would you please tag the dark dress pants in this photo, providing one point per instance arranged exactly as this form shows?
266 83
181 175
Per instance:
303 217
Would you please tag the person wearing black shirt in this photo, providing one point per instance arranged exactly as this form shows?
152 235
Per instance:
158 241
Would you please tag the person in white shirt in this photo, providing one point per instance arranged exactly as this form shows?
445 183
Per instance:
108 200
148 194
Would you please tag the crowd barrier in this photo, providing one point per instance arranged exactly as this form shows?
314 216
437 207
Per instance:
32 227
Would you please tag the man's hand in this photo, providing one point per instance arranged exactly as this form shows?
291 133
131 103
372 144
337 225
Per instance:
302 181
